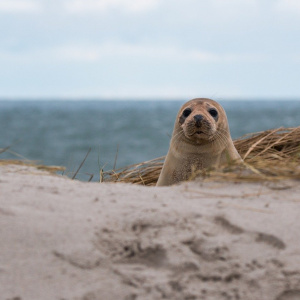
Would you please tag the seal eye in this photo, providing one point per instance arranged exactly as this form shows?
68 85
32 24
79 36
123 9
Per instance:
186 112
213 112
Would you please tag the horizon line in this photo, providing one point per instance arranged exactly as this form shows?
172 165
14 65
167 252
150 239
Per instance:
234 98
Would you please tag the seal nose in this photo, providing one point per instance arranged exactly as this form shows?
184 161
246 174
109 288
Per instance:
198 119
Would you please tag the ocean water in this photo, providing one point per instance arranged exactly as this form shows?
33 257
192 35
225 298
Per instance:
61 132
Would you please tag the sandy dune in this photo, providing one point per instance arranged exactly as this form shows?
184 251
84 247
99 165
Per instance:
64 239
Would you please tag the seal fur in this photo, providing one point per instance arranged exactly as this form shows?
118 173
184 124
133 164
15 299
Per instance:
201 140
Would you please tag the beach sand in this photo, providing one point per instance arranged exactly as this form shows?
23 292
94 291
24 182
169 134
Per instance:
65 239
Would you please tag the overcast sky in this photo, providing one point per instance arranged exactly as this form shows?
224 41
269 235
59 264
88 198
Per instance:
150 49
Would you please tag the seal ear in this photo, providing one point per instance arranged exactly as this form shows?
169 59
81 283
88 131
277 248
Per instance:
184 115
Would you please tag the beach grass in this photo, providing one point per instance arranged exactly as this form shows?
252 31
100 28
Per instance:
268 155
30 163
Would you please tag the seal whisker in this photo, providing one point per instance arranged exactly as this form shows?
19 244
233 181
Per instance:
222 139
219 140
177 136
223 136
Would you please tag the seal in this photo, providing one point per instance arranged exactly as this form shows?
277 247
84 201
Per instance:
201 140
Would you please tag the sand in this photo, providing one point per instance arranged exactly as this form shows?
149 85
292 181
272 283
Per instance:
64 239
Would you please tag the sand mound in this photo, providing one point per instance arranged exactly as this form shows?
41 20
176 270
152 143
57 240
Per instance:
64 239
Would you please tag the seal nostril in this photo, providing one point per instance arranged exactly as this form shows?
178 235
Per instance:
198 119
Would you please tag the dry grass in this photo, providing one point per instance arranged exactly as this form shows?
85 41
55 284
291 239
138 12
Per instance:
51 169
268 155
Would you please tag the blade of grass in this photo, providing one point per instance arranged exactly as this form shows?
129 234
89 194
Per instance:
116 157
74 176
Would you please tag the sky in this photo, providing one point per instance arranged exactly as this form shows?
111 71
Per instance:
149 49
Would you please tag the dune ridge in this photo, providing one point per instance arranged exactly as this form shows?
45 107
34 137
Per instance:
65 239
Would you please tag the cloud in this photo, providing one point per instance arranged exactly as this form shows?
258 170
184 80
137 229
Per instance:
212 13
86 6
122 52
19 6
233 7
288 6
167 53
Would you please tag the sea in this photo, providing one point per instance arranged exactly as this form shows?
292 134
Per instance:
113 134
